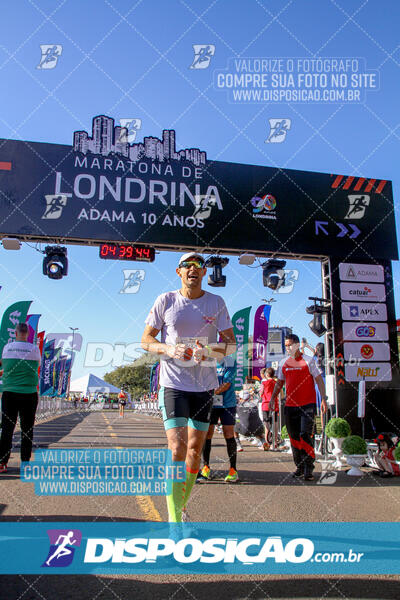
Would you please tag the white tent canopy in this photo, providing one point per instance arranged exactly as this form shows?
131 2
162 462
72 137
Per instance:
91 384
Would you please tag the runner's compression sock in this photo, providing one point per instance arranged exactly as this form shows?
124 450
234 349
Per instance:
231 447
174 502
206 452
191 477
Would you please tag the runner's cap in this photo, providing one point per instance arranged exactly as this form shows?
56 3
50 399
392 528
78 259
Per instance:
190 255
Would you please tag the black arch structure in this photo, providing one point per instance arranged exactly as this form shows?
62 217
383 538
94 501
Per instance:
105 189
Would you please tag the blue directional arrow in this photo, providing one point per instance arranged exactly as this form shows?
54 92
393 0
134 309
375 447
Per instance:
356 231
343 230
319 226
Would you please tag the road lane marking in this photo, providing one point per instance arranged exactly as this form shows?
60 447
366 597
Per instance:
145 503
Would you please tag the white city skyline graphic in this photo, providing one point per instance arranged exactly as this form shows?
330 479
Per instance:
109 139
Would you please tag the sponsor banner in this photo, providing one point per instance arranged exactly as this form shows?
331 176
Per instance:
369 372
220 548
368 292
369 332
357 272
103 188
260 339
33 322
55 371
66 375
154 377
241 324
46 369
359 311
14 314
366 351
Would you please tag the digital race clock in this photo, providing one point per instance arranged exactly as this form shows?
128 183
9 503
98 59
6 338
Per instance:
127 252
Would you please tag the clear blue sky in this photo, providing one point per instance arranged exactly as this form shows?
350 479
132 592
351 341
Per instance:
131 60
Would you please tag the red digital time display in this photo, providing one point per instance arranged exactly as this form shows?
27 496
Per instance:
127 252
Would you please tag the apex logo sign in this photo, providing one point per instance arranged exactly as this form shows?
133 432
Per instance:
364 311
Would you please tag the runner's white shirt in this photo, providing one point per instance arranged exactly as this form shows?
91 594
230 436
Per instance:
182 320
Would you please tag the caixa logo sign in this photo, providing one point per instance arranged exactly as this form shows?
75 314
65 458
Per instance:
365 331
191 550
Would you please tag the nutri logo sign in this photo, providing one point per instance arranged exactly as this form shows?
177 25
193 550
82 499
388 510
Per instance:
366 351
359 311
368 292
357 272
381 371
368 332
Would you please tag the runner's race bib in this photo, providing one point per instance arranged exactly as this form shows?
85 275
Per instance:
191 342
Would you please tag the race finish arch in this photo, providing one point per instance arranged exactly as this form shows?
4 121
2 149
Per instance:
105 189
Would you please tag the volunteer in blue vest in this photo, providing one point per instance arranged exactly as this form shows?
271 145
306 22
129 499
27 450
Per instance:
20 363
224 410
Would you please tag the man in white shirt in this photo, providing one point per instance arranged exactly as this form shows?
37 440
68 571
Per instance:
190 320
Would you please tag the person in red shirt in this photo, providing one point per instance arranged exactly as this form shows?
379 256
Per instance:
300 371
267 387
122 403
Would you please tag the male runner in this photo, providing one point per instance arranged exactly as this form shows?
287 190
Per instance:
300 371
189 320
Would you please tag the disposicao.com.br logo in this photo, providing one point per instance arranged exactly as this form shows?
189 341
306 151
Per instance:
216 550
201 547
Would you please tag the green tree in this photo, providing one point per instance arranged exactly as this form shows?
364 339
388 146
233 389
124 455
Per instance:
134 378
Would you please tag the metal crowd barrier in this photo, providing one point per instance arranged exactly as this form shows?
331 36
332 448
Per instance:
50 407
147 408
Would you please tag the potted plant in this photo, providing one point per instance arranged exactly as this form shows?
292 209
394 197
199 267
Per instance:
336 430
285 436
355 450
397 453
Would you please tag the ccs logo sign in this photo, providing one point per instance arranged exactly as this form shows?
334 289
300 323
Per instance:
365 331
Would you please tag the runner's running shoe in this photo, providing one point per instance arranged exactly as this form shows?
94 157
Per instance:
204 474
239 445
232 476
3 468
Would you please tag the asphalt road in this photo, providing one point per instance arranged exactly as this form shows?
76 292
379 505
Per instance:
266 492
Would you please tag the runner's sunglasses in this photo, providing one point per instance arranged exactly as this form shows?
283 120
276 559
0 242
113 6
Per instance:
186 264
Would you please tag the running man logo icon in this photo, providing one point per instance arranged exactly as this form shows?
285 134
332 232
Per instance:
54 206
202 56
129 128
203 206
358 204
62 547
328 475
278 130
50 55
